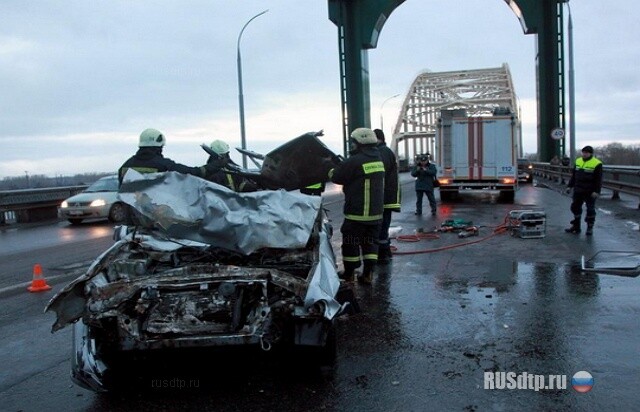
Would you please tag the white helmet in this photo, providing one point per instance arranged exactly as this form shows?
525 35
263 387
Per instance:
219 147
364 135
151 138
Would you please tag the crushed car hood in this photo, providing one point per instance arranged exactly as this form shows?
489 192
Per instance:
301 162
188 207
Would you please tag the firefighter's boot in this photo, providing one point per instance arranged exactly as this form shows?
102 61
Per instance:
575 226
347 275
589 231
384 252
366 277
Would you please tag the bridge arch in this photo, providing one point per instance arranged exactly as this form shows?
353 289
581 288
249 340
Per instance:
478 91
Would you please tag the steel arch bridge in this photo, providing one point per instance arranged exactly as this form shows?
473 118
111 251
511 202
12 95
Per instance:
478 91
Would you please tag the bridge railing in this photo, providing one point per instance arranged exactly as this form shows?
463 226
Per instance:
29 205
625 179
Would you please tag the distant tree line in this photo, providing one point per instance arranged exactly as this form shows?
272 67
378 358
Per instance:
618 154
41 181
610 154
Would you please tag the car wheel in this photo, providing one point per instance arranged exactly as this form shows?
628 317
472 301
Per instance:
75 221
328 352
117 213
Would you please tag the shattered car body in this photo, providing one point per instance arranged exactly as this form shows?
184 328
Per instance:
207 268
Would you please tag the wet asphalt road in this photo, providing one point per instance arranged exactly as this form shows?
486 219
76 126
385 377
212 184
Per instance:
432 324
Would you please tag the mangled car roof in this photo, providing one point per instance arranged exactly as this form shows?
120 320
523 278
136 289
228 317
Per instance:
188 207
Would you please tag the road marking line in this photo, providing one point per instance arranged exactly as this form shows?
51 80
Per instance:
25 284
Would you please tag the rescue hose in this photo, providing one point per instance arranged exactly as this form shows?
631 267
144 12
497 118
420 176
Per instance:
500 229
417 237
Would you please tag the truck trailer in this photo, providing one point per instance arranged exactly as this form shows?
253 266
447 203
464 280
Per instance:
477 153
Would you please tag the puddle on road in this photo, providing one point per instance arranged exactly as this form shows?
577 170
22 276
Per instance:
504 299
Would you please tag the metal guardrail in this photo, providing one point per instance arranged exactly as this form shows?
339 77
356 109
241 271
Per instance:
625 179
27 205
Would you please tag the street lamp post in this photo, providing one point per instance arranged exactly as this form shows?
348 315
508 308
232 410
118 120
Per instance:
572 93
382 106
243 136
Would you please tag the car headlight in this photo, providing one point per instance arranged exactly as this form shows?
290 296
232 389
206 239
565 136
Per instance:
98 202
64 204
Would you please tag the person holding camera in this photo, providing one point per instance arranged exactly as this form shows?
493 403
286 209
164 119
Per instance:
425 173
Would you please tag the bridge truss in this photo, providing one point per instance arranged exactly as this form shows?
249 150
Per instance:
478 91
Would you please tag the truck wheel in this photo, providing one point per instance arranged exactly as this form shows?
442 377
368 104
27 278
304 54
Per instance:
445 196
507 196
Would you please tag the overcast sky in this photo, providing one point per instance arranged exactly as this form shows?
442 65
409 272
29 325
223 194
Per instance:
79 80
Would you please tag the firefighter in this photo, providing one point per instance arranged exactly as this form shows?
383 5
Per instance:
391 196
315 189
362 177
223 175
586 181
149 158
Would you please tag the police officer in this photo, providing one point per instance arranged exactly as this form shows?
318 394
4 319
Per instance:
362 177
391 196
149 158
586 181
223 175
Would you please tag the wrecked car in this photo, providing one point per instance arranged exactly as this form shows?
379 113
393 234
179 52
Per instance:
206 267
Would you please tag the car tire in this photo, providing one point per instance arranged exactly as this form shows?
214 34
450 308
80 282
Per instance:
117 213
75 221
329 352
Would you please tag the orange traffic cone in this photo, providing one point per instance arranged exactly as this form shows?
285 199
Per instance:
39 283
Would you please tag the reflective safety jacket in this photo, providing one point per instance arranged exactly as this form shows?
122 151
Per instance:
391 187
232 181
586 176
150 160
315 189
362 177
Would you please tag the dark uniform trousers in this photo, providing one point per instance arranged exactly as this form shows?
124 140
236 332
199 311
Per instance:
358 239
578 200
384 244
585 180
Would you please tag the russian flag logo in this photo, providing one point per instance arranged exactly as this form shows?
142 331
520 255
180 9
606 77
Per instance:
582 382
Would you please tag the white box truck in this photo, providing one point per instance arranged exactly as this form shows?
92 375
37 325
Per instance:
477 153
